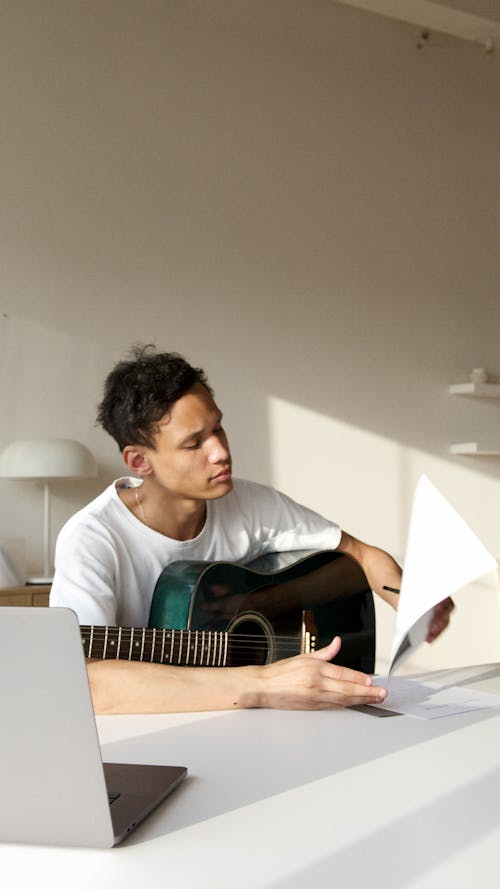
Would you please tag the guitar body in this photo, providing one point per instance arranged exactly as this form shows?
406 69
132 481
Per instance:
264 601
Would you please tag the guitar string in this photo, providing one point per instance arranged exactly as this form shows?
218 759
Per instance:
238 652
247 654
239 642
159 632
87 628
238 647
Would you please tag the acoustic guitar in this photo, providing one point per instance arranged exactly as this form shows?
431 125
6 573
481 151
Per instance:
226 614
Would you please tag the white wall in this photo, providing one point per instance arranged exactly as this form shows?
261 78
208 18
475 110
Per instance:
287 192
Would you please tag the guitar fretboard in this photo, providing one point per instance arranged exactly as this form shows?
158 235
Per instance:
196 648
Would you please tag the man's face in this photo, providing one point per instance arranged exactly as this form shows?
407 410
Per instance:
191 458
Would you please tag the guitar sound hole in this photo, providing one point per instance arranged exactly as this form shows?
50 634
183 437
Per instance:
251 640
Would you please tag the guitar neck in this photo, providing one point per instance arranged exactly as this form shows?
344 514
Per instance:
195 648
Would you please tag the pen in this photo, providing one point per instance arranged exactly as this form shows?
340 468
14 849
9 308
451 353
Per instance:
391 589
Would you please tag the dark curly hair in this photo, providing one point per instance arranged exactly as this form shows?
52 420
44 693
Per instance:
140 391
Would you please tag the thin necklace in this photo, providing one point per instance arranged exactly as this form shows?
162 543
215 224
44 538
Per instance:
141 508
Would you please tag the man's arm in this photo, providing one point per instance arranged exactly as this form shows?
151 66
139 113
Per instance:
380 568
383 571
304 682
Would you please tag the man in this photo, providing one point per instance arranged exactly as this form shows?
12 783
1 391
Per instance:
183 504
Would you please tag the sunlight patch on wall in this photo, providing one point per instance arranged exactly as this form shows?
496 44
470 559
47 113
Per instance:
350 475
365 482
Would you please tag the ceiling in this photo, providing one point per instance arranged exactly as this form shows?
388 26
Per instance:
477 20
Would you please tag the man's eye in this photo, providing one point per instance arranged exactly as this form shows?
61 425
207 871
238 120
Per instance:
192 446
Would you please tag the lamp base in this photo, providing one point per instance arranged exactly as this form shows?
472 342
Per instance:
33 581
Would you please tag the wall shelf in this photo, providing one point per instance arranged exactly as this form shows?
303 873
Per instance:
473 449
478 390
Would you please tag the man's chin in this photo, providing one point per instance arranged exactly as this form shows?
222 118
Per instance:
220 487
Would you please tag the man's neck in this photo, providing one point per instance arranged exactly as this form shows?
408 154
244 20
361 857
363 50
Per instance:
174 517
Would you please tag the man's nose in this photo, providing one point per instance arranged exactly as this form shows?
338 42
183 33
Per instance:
219 450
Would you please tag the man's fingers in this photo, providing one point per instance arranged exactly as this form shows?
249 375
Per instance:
346 693
340 674
354 681
351 697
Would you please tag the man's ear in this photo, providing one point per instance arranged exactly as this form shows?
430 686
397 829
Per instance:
137 460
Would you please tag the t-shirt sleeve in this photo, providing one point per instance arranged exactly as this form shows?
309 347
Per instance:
84 577
280 524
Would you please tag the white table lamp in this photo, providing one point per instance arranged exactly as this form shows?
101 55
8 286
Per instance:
46 460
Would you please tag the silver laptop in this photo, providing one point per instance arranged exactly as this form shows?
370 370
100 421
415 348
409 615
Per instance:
54 786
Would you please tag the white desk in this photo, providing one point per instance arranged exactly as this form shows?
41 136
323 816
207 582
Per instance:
282 799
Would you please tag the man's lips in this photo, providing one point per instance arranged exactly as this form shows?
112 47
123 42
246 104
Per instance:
223 476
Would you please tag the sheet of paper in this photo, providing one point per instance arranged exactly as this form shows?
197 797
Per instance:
442 556
429 700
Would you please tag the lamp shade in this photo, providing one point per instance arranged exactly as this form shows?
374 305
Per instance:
47 458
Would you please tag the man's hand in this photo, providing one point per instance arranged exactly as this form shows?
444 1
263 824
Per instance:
440 619
310 682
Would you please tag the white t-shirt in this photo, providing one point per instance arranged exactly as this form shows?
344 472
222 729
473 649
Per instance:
108 562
